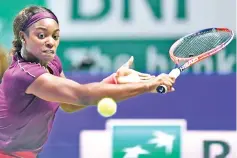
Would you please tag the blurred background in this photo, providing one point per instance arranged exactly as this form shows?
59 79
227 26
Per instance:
98 36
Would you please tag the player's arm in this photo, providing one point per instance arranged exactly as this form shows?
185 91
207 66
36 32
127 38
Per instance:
62 90
69 107
73 108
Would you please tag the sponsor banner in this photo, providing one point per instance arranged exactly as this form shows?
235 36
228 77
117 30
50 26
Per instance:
108 32
103 19
106 19
149 138
151 55
111 31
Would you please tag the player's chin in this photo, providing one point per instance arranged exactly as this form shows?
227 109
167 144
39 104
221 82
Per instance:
48 57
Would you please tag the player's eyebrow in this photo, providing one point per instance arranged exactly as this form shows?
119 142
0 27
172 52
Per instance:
44 28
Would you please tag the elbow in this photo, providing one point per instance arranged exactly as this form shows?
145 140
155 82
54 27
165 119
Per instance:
84 96
67 110
71 108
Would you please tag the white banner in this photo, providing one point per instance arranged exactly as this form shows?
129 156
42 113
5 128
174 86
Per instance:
192 144
140 18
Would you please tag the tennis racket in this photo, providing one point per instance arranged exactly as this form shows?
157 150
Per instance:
196 47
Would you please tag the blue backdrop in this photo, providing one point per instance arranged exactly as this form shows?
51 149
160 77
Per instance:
206 102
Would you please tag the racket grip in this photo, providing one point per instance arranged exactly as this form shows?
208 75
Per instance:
174 73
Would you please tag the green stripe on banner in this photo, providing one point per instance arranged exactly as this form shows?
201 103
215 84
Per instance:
151 55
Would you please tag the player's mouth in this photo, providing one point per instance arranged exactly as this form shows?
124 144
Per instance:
49 51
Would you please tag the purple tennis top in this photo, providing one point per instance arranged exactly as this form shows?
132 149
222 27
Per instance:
25 120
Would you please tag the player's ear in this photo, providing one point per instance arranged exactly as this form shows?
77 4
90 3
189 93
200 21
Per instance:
22 36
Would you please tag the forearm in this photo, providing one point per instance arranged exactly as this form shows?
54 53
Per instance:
73 108
93 92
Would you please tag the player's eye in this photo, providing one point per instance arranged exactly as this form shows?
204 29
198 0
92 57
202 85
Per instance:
55 37
41 36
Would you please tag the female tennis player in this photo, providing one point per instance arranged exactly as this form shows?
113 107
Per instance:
33 87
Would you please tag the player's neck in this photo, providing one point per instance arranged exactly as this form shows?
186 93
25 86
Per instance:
30 58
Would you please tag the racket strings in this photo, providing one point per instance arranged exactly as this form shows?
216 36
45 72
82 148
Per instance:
200 43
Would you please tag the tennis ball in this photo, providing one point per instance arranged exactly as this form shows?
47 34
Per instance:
107 107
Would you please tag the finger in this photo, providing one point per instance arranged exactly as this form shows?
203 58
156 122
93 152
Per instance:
128 79
168 84
172 78
129 62
145 80
167 80
123 71
150 80
146 77
143 74
171 89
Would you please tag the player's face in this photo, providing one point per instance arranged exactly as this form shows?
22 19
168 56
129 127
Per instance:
43 39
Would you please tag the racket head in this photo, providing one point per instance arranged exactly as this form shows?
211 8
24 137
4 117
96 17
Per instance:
200 45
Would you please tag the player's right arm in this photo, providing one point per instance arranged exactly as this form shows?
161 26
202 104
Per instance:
62 90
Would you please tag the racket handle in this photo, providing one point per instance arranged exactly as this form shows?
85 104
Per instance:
174 73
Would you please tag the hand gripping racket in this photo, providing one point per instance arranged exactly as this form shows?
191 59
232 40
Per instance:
196 47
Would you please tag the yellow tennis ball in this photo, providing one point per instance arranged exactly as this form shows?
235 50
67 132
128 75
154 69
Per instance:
107 107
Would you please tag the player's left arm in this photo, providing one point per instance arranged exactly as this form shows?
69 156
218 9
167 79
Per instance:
123 75
73 108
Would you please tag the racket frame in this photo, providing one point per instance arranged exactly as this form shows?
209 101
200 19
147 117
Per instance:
192 60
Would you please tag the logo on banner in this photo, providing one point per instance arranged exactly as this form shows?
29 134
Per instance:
147 141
